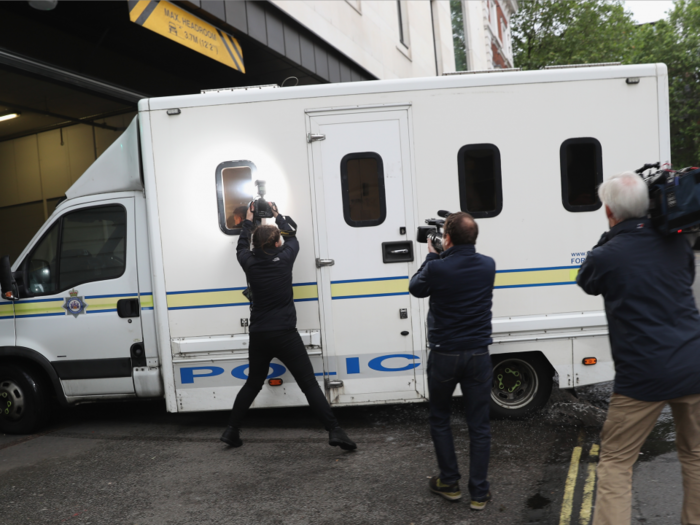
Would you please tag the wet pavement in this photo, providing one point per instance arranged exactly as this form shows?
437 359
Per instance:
133 463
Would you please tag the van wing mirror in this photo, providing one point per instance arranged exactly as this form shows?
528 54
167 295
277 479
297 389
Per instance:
7 282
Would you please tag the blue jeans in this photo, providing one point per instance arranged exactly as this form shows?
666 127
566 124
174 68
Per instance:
472 370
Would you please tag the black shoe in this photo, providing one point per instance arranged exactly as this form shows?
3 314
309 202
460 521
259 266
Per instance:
449 492
338 438
480 505
231 437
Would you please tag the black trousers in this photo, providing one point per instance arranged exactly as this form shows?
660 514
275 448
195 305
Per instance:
287 346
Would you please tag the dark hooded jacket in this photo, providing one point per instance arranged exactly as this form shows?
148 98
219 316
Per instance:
645 279
459 282
269 275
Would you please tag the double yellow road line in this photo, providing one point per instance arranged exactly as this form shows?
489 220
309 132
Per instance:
585 513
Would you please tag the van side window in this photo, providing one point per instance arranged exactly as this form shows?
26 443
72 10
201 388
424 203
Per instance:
362 183
93 245
42 264
581 162
83 246
479 170
234 190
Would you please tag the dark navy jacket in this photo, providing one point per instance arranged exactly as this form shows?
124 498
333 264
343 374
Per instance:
269 274
654 325
459 282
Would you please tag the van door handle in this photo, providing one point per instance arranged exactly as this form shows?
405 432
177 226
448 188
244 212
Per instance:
405 250
128 308
324 262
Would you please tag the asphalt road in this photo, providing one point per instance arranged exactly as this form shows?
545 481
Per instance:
132 463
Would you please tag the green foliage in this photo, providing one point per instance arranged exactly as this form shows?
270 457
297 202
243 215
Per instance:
558 32
458 35
554 32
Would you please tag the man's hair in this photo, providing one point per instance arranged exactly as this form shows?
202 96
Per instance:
265 236
626 195
462 228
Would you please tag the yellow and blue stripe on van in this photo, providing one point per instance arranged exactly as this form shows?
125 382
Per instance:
364 288
357 288
7 311
524 278
221 297
53 307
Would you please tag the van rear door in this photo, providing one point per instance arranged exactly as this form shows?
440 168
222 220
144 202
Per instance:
364 227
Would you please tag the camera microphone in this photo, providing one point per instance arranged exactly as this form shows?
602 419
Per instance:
443 213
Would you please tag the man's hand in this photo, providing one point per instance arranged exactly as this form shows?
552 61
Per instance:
274 209
249 212
431 249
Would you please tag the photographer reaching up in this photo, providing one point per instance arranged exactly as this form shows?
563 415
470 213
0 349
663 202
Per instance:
273 320
645 279
459 282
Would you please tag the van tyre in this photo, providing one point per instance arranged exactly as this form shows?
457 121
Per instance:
521 384
24 400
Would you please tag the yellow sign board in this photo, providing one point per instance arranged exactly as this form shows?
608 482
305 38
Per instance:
184 28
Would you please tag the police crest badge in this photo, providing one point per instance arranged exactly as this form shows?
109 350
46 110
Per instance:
74 305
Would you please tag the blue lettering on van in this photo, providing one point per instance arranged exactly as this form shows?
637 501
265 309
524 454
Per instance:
378 363
578 257
187 375
240 371
353 365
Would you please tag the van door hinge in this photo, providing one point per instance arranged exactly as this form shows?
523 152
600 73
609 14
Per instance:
313 137
324 262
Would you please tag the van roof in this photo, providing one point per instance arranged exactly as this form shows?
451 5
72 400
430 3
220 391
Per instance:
215 98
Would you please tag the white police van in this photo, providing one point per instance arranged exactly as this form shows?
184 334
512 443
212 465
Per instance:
132 290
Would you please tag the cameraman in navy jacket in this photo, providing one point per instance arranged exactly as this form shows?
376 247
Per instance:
459 282
645 279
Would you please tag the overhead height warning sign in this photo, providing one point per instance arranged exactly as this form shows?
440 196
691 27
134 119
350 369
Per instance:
184 28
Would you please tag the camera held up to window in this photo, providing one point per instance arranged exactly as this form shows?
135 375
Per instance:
433 231
262 209
674 198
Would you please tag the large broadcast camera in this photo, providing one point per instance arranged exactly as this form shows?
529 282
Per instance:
433 231
674 198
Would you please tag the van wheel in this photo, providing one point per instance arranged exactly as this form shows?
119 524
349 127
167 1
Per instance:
24 401
521 384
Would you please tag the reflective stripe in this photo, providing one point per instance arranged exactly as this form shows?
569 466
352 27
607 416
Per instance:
364 288
104 303
95 304
209 299
369 288
536 277
147 301
33 309
7 311
229 297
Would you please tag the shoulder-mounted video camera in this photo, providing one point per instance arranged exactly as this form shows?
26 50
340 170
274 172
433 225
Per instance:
674 198
433 231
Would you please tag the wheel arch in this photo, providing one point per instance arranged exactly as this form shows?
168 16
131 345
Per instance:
540 353
19 355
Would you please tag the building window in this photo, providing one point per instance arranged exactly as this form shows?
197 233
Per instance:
403 22
234 191
479 169
459 35
581 173
362 183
